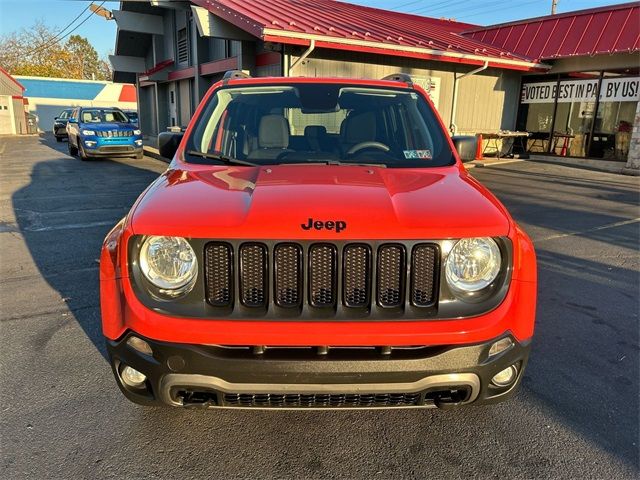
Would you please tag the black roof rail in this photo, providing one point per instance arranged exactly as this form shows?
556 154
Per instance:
233 75
400 77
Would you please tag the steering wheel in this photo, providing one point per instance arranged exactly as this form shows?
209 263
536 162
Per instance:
362 145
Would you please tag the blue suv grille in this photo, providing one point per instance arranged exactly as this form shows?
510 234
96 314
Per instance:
115 133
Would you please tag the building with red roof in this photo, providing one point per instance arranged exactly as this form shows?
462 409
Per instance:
12 111
570 80
585 33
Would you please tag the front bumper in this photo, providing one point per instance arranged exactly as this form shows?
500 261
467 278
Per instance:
96 146
315 377
60 131
113 150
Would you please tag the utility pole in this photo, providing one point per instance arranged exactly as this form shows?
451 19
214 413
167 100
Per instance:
554 6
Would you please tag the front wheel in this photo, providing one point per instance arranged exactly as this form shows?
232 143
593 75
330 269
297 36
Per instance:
83 154
73 151
139 156
58 139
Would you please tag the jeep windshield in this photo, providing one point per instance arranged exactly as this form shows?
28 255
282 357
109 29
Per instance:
103 116
316 123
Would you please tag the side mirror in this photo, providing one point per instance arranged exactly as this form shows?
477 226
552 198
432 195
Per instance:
73 120
466 146
56 118
168 143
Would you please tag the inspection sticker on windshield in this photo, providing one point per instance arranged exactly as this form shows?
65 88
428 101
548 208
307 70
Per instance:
417 154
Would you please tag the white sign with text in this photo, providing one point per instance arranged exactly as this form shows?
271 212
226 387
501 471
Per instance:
624 89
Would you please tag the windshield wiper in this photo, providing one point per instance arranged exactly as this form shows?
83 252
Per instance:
357 164
338 162
222 158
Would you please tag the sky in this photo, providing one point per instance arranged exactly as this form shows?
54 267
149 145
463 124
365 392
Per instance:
17 14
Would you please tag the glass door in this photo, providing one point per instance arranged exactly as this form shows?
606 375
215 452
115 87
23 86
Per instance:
616 112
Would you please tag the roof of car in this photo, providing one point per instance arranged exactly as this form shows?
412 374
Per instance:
329 80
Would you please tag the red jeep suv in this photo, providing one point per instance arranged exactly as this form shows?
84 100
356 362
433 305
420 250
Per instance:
317 243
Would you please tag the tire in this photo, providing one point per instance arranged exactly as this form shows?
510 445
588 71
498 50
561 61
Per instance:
73 151
83 154
139 156
58 139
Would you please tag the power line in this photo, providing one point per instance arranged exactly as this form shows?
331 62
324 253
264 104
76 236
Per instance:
57 37
433 6
504 8
402 5
497 4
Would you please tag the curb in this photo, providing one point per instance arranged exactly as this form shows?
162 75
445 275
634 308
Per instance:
153 153
494 163
621 170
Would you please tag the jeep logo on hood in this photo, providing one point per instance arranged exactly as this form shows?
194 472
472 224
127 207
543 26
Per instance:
337 225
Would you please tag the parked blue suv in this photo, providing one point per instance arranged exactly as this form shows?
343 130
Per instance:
103 132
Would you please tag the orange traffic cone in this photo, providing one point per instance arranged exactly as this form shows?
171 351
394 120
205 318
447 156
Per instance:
479 147
563 150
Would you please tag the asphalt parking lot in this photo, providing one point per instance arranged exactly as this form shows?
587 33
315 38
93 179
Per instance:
576 415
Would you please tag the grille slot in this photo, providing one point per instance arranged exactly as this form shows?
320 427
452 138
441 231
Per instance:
288 275
322 275
391 270
321 400
219 274
253 275
423 280
357 275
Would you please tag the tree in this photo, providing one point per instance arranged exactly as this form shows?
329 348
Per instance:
104 69
39 52
84 58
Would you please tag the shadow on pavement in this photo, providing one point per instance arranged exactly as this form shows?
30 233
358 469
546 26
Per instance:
64 214
585 364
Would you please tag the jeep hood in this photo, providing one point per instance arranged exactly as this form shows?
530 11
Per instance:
273 202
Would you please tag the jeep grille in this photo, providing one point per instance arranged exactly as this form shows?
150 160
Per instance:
321 277
114 133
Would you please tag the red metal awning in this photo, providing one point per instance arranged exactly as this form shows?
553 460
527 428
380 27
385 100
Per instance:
345 26
606 30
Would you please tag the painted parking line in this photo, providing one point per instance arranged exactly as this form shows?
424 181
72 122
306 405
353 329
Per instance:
589 230
70 226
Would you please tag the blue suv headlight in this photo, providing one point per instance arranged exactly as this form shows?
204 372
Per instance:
137 132
88 132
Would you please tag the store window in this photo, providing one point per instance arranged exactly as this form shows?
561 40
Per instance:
581 114
576 104
615 115
536 112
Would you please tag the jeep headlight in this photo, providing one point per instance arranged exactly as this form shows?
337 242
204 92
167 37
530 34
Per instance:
137 132
169 263
473 264
88 132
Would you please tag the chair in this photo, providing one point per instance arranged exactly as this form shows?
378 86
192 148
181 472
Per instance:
273 138
358 128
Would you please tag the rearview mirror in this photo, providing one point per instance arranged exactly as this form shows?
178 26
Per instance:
168 143
466 146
